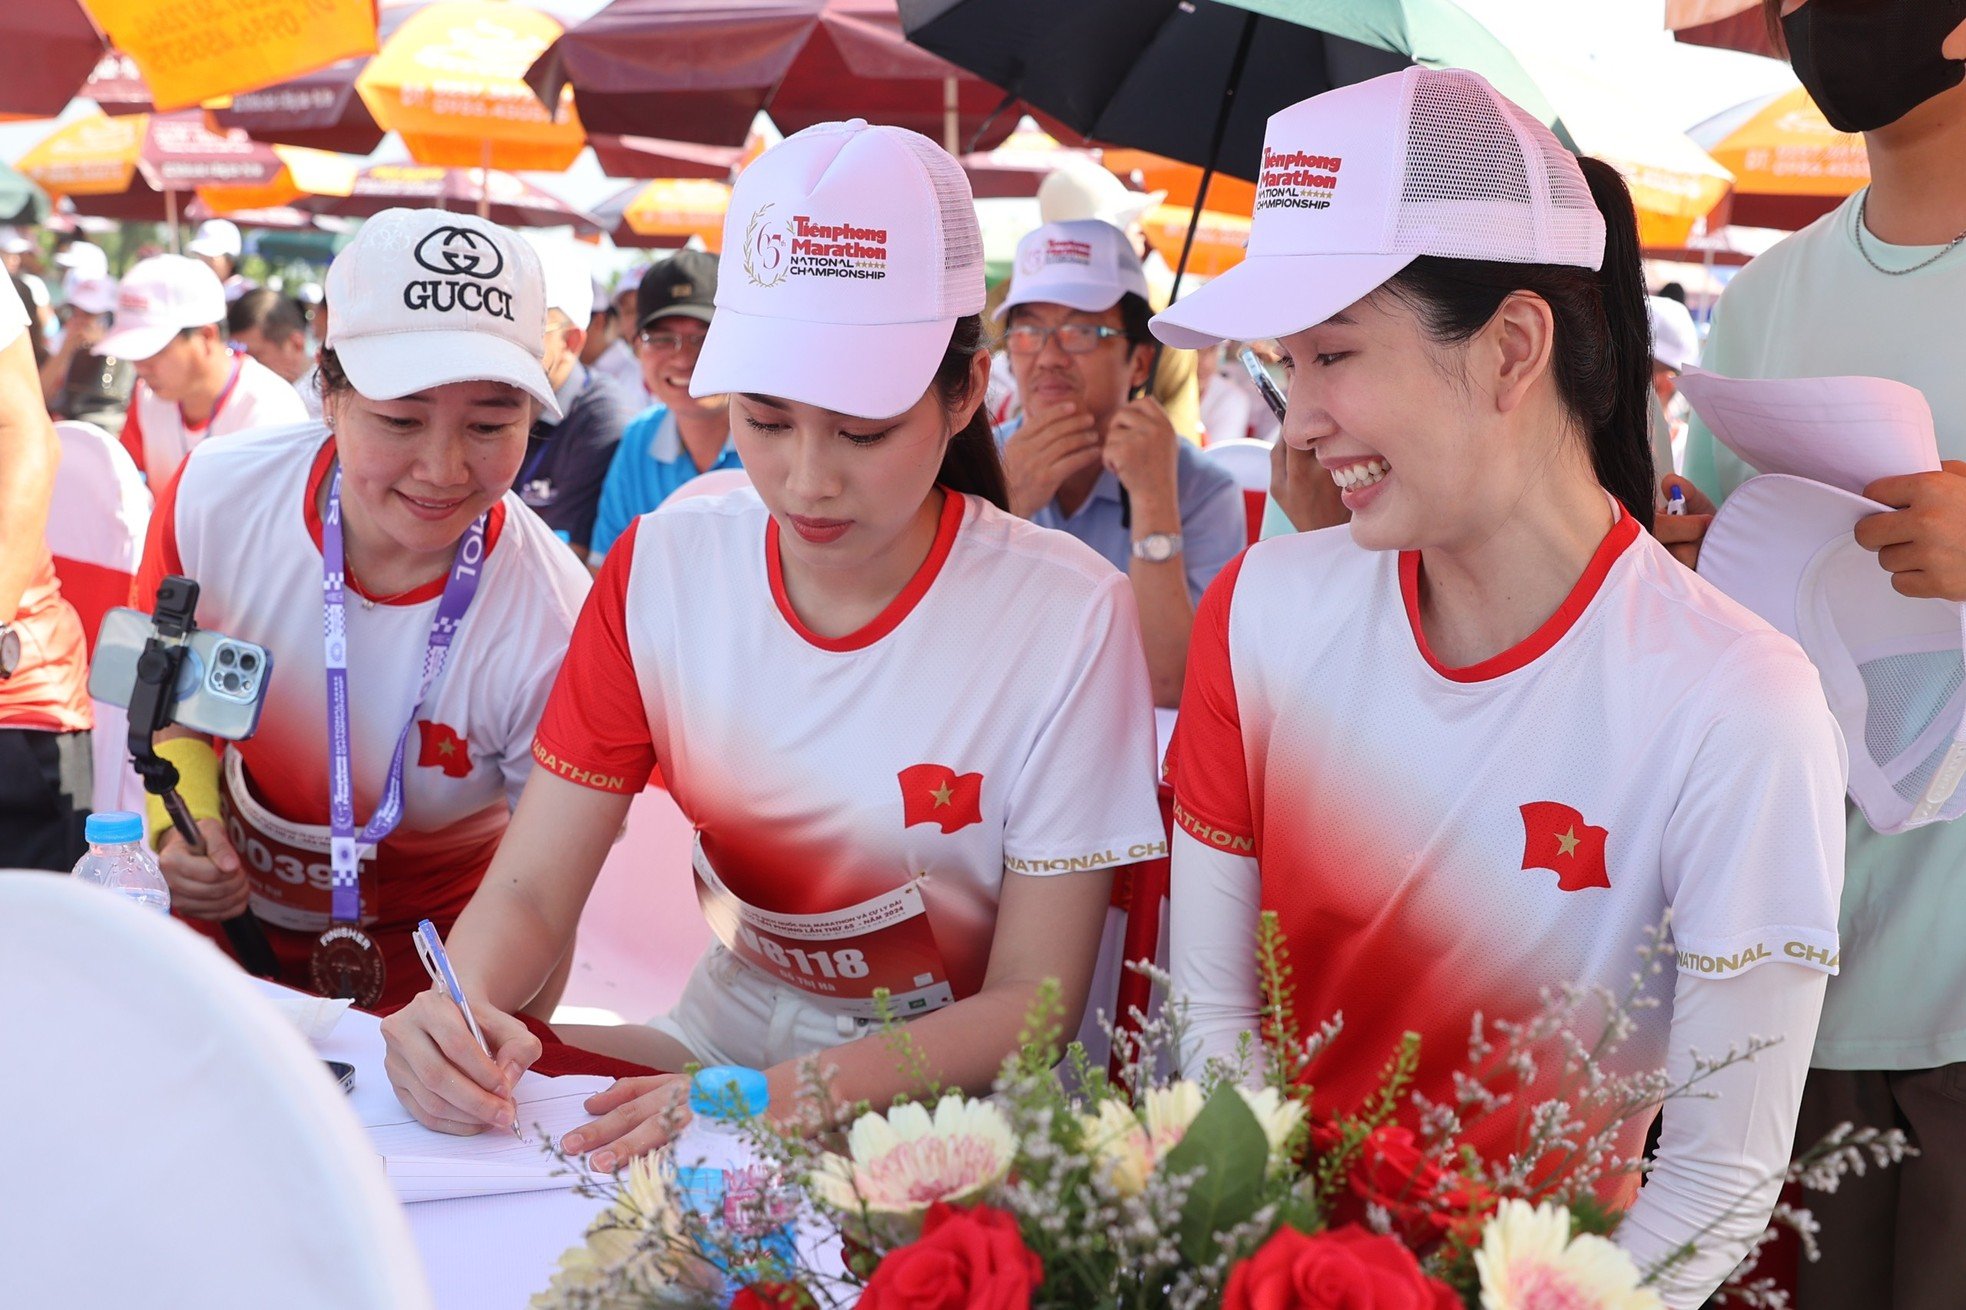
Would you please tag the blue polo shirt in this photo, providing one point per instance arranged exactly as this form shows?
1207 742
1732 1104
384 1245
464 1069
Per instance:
650 462
1214 526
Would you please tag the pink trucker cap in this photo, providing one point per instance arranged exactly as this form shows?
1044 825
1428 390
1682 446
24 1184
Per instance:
849 253
1360 181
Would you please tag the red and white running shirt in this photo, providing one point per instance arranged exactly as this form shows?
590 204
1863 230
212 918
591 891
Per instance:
243 520
996 715
158 439
1438 841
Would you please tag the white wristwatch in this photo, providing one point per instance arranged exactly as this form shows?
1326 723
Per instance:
1157 547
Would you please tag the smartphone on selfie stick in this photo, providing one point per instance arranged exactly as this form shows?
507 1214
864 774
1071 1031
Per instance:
177 668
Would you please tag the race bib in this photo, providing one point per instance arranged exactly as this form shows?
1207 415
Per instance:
286 863
841 957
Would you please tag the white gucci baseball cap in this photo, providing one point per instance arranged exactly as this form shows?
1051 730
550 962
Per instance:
159 298
423 298
849 253
1360 181
1086 264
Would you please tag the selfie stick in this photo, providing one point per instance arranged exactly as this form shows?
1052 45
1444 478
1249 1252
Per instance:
151 704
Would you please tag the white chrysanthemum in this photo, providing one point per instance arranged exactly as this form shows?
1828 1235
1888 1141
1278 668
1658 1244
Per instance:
1529 1261
900 1163
1279 1117
634 1249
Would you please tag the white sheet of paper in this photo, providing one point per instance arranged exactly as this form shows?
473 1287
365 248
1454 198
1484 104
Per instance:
424 1165
1845 432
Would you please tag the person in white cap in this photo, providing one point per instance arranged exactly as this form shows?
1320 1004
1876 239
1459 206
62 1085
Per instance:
1877 287
77 383
83 258
1092 456
1476 746
1675 348
391 526
1081 189
217 242
19 257
569 456
878 697
608 352
170 322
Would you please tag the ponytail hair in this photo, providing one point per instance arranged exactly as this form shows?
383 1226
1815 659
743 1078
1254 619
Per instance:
1601 358
972 464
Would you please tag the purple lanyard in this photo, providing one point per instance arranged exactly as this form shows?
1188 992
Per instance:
459 588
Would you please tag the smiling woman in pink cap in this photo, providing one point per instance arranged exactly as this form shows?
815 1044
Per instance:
912 731
1481 741
390 752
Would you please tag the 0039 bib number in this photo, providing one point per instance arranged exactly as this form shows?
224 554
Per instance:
287 866
842 957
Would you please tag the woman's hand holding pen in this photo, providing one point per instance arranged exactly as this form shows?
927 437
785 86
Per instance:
440 1073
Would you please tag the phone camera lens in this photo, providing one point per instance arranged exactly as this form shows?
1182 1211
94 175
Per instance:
231 681
225 655
248 661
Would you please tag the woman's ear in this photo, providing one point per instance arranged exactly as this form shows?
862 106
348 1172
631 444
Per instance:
979 390
1520 338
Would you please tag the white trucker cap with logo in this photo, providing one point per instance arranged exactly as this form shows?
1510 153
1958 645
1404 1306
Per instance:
849 253
1358 182
423 298
159 298
1086 264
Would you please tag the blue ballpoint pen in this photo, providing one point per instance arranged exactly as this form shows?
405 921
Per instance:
430 947
1675 502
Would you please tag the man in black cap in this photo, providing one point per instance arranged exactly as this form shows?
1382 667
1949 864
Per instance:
680 436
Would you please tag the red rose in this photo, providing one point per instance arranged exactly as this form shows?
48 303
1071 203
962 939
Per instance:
964 1260
1392 1171
1343 1269
771 1296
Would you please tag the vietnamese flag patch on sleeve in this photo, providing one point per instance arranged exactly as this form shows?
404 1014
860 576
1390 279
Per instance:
439 747
1555 837
936 793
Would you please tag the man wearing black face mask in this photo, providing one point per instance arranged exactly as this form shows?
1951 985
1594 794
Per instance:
1878 287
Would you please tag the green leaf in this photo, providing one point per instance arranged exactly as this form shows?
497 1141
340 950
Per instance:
1226 1149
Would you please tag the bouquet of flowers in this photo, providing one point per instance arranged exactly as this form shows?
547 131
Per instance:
1068 1189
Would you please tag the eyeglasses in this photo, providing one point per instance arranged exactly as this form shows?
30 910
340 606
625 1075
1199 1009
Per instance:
1264 382
670 342
1073 338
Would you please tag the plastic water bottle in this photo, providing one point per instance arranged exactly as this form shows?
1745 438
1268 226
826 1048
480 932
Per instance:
720 1177
119 860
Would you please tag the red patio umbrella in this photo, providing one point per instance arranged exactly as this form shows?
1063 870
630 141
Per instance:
700 70
47 48
513 201
117 87
647 156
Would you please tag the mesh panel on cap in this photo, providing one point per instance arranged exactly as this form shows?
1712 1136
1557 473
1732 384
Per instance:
962 291
1906 695
1485 180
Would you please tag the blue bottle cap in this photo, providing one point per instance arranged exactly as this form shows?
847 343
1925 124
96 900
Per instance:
729 1091
113 828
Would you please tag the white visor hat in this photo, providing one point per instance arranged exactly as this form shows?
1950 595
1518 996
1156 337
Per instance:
1890 664
849 253
1358 182
423 298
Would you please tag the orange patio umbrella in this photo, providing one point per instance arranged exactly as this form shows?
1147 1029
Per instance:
195 50
450 82
668 212
1221 239
1790 166
1151 172
303 173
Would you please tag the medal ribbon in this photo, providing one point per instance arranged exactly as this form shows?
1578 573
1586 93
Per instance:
459 588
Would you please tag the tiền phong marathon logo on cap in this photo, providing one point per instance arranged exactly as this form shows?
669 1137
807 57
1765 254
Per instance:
803 246
1293 179
1057 250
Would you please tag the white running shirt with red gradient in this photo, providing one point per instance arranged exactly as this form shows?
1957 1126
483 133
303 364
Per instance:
243 520
158 439
996 715
1438 841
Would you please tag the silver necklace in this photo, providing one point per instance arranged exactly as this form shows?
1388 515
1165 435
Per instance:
1863 212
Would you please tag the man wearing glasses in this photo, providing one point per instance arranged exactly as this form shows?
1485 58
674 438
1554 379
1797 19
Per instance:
680 435
1096 457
